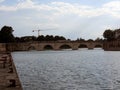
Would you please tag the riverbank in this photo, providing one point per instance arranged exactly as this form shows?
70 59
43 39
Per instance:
9 79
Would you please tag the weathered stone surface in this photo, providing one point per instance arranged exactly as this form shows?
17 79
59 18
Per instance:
112 45
55 45
2 47
6 77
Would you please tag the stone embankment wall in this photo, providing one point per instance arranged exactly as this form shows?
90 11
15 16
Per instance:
9 79
2 47
111 45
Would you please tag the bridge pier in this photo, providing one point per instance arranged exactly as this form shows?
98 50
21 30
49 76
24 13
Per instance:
90 45
90 48
75 48
56 48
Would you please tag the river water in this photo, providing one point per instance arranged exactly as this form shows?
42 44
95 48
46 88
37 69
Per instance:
69 69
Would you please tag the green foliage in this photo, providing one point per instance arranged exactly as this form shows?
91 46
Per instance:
80 39
40 38
90 40
26 39
50 38
109 35
6 35
98 39
56 38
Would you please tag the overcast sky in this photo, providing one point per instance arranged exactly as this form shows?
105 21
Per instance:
69 18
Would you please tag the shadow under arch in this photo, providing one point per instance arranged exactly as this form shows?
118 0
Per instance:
48 47
98 46
65 46
31 48
82 46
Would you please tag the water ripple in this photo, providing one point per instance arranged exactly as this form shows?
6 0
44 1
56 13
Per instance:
68 70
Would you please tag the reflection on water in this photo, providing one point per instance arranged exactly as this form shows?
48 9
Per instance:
69 70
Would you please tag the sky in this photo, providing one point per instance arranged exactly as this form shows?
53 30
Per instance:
73 19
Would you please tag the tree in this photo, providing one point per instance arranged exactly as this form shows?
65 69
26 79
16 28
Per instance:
57 38
6 35
109 34
27 38
48 38
62 38
78 39
81 39
90 40
117 33
40 38
98 39
17 39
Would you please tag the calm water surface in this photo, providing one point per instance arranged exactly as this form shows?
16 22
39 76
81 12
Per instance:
69 70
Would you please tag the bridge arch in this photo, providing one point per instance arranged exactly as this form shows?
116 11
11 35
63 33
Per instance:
65 46
98 46
48 47
82 46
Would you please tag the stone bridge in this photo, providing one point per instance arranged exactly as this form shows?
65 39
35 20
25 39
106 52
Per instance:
53 45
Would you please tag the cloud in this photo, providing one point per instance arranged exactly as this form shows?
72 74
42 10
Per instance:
112 8
70 20
7 8
61 8
2 1
28 4
80 10
23 4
